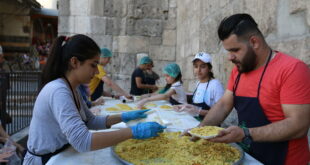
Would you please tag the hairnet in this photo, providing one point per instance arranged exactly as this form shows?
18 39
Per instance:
145 60
105 52
172 70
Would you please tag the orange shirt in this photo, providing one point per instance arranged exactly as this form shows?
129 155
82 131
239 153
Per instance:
286 81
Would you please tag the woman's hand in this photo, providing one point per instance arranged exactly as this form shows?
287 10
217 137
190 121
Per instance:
190 109
154 88
178 108
99 101
141 103
146 130
5 155
129 97
3 139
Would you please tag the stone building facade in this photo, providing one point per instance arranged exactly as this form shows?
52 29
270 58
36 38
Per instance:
174 30
284 23
127 27
16 25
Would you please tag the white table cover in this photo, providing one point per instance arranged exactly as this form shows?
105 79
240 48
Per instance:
178 122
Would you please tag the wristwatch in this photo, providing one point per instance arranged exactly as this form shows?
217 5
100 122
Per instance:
247 140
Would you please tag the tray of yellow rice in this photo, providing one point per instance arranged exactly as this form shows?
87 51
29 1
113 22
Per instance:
166 107
150 105
206 132
171 149
120 108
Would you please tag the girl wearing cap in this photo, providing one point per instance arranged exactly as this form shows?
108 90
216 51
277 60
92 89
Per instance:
173 91
139 85
61 118
96 84
208 90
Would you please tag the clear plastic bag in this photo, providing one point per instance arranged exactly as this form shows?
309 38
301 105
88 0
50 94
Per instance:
9 147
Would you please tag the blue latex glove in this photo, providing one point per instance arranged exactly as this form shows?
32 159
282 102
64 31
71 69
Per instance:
146 130
127 116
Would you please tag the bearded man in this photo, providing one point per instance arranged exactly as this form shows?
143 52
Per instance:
271 93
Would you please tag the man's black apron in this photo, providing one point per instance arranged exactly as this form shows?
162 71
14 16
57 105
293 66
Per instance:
251 114
46 157
203 105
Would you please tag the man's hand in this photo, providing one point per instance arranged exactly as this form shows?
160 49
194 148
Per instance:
186 133
231 134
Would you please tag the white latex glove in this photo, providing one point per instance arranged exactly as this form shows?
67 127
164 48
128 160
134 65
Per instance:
191 109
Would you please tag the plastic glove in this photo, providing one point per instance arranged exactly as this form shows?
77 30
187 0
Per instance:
146 130
178 108
127 116
191 109
141 103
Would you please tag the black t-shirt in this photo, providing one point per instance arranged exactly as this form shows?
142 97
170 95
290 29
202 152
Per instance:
134 89
150 78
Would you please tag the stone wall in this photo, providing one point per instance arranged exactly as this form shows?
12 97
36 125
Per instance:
127 27
285 24
174 30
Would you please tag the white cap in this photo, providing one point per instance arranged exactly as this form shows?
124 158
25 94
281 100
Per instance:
204 57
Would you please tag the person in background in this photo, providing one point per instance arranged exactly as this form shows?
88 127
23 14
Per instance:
150 78
138 82
4 136
208 89
83 89
174 90
271 93
96 84
61 117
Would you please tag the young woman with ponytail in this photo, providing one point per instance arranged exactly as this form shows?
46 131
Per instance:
60 116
